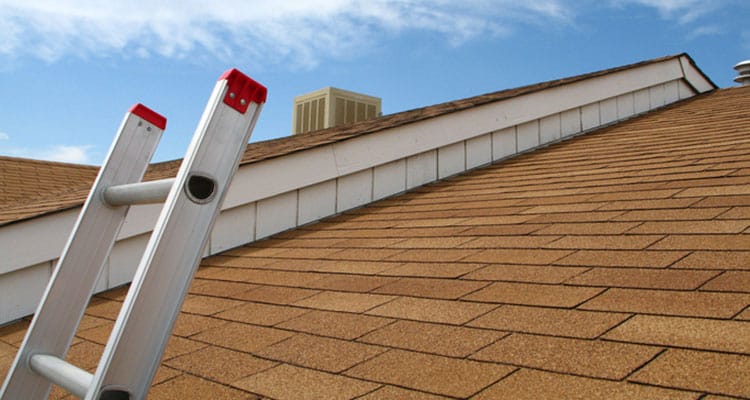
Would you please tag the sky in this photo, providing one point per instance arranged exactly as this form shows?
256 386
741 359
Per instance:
71 69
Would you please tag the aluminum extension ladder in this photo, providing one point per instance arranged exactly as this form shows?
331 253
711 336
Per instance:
192 200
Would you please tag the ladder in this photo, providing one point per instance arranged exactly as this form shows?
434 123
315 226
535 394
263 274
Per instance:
191 204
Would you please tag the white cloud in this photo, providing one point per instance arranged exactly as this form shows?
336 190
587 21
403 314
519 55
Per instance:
684 11
297 31
4 136
62 153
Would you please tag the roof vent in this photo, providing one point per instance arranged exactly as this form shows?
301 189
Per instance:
743 70
330 107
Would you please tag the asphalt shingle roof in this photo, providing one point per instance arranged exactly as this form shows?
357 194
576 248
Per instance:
615 265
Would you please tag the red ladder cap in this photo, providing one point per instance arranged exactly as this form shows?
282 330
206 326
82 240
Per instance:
149 115
241 90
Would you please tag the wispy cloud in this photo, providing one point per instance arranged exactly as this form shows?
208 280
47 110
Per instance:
4 136
300 31
683 11
62 153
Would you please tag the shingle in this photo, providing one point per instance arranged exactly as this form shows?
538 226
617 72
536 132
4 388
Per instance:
533 385
335 324
534 294
433 374
643 278
339 301
518 256
277 295
622 258
686 214
220 365
593 358
614 242
242 337
730 281
704 242
186 386
394 393
677 303
261 314
206 305
525 273
440 339
713 226
695 333
716 373
549 321
591 228
431 270
190 324
716 260
304 384
433 288
320 353
429 310
350 283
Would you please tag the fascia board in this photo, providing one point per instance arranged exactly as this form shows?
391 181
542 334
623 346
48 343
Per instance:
694 77
36 240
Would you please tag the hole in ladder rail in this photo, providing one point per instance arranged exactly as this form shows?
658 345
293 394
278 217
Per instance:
114 395
200 189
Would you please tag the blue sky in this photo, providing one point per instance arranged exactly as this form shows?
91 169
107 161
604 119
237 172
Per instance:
70 69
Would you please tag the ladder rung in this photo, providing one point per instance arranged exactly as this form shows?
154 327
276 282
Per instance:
138 193
62 373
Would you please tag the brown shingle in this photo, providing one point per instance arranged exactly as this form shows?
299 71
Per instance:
730 281
689 304
533 385
643 278
433 288
443 311
695 333
444 340
327 354
525 273
716 260
241 337
549 321
185 387
622 258
338 301
220 365
304 384
335 324
533 294
593 358
394 393
433 374
726 374
261 314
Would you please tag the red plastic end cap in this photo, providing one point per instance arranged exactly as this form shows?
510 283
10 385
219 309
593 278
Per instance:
149 115
242 90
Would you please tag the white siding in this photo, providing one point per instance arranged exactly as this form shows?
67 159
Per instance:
276 214
354 190
479 151
590 116
608 110
570 122
421 169
20 291
317 201
124 259
451 160
504 143
234 227
549 129
389 179
528 135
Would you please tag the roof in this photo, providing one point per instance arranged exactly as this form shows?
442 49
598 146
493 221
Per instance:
615 265
26 179
75 192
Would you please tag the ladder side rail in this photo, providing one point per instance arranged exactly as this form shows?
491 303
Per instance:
144 326
81 262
